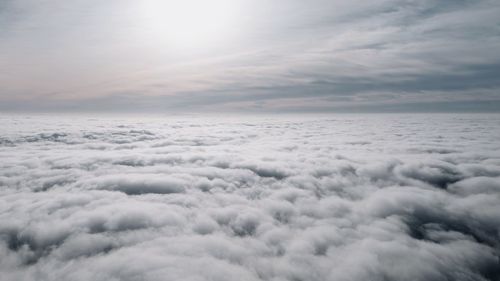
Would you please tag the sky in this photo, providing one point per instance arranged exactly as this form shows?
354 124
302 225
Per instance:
249 56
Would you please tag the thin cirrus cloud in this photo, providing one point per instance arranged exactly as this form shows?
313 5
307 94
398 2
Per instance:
286 55
256 199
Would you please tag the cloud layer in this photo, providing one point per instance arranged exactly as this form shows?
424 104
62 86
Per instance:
285 55
374 197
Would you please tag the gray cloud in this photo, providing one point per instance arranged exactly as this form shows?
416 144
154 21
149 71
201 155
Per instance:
391 55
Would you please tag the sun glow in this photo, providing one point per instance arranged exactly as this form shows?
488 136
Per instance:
190 24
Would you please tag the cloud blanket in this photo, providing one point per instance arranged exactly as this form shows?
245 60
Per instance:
340 197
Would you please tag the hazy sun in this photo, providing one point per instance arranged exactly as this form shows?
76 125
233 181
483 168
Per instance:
191 23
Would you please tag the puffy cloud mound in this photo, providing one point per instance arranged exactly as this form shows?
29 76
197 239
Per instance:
371 197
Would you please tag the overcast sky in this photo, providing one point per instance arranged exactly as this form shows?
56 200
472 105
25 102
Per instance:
249 55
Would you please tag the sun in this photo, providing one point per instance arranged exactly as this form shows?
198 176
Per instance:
190 24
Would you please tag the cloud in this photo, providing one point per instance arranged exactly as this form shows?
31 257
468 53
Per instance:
392 55
379 197
138 184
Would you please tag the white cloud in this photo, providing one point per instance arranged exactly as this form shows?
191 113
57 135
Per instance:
378 197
